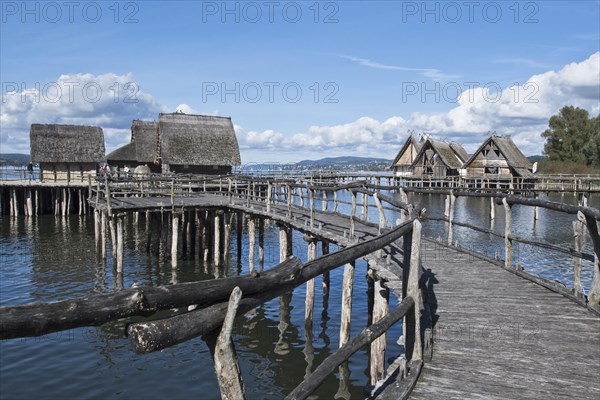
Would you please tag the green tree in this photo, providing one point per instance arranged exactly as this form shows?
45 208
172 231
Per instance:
592 149
573 136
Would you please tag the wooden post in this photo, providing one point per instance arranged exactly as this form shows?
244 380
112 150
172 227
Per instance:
347 287
365 207
227 368
119 244
301 192
251 241
451 201
311 196
103 234
382 219
594 293
310 286
324 201
261 243
217 239
269 190
113 235
97 231
226 236
239 226
283 243
288 190
174 239
335 202
507 233
380 309
352 214
578 232
326 278
414 275
447 206
29 203
492 209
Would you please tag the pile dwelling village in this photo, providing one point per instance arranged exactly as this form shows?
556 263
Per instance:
177 190
497 158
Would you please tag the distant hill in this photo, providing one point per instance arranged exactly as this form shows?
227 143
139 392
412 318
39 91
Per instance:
344 160
346 163
14 159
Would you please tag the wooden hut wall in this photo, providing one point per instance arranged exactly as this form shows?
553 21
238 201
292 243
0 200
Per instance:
67 172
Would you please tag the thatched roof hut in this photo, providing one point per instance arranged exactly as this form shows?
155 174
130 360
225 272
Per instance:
53 143
406 156
207 142
180 142
143 148
498 156
66 152
439 159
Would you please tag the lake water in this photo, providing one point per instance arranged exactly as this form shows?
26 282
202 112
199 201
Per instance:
48 258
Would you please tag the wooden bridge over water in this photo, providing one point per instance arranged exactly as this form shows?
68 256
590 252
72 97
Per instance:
473 327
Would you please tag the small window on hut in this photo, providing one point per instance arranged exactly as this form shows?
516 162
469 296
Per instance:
491 170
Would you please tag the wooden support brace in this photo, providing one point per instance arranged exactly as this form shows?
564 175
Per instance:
227 367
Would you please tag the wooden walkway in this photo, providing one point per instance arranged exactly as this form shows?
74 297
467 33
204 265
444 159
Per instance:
499 336
496 335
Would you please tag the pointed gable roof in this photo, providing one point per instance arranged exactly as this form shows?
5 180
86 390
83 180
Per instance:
411 140
452 155
513 156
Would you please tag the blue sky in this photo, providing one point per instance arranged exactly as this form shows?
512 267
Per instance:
301 79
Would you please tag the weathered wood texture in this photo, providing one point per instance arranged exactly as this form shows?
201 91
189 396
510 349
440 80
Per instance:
498 336
366 336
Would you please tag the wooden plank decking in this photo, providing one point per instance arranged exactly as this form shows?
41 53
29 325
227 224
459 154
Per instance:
496 335
499 336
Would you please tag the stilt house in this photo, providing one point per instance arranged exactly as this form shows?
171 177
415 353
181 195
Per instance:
142 150
66 152
181 143
402 164
498 157
437 159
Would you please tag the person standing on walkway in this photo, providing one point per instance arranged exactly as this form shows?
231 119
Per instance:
30 170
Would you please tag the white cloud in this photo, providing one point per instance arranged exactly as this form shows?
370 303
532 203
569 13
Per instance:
108 100
431 73
521 111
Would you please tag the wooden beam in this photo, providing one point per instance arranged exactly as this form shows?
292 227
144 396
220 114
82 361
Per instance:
227 367
366 336
380 310
35 319
310 287
347 288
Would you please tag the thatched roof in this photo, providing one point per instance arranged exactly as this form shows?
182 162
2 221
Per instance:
197 140
411 140
509 150
452 155
66 143
143 145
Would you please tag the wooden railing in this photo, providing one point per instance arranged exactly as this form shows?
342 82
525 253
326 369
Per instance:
586 221
216 302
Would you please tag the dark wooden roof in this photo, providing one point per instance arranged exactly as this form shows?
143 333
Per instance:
197 140
52 143
452 155
511 153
